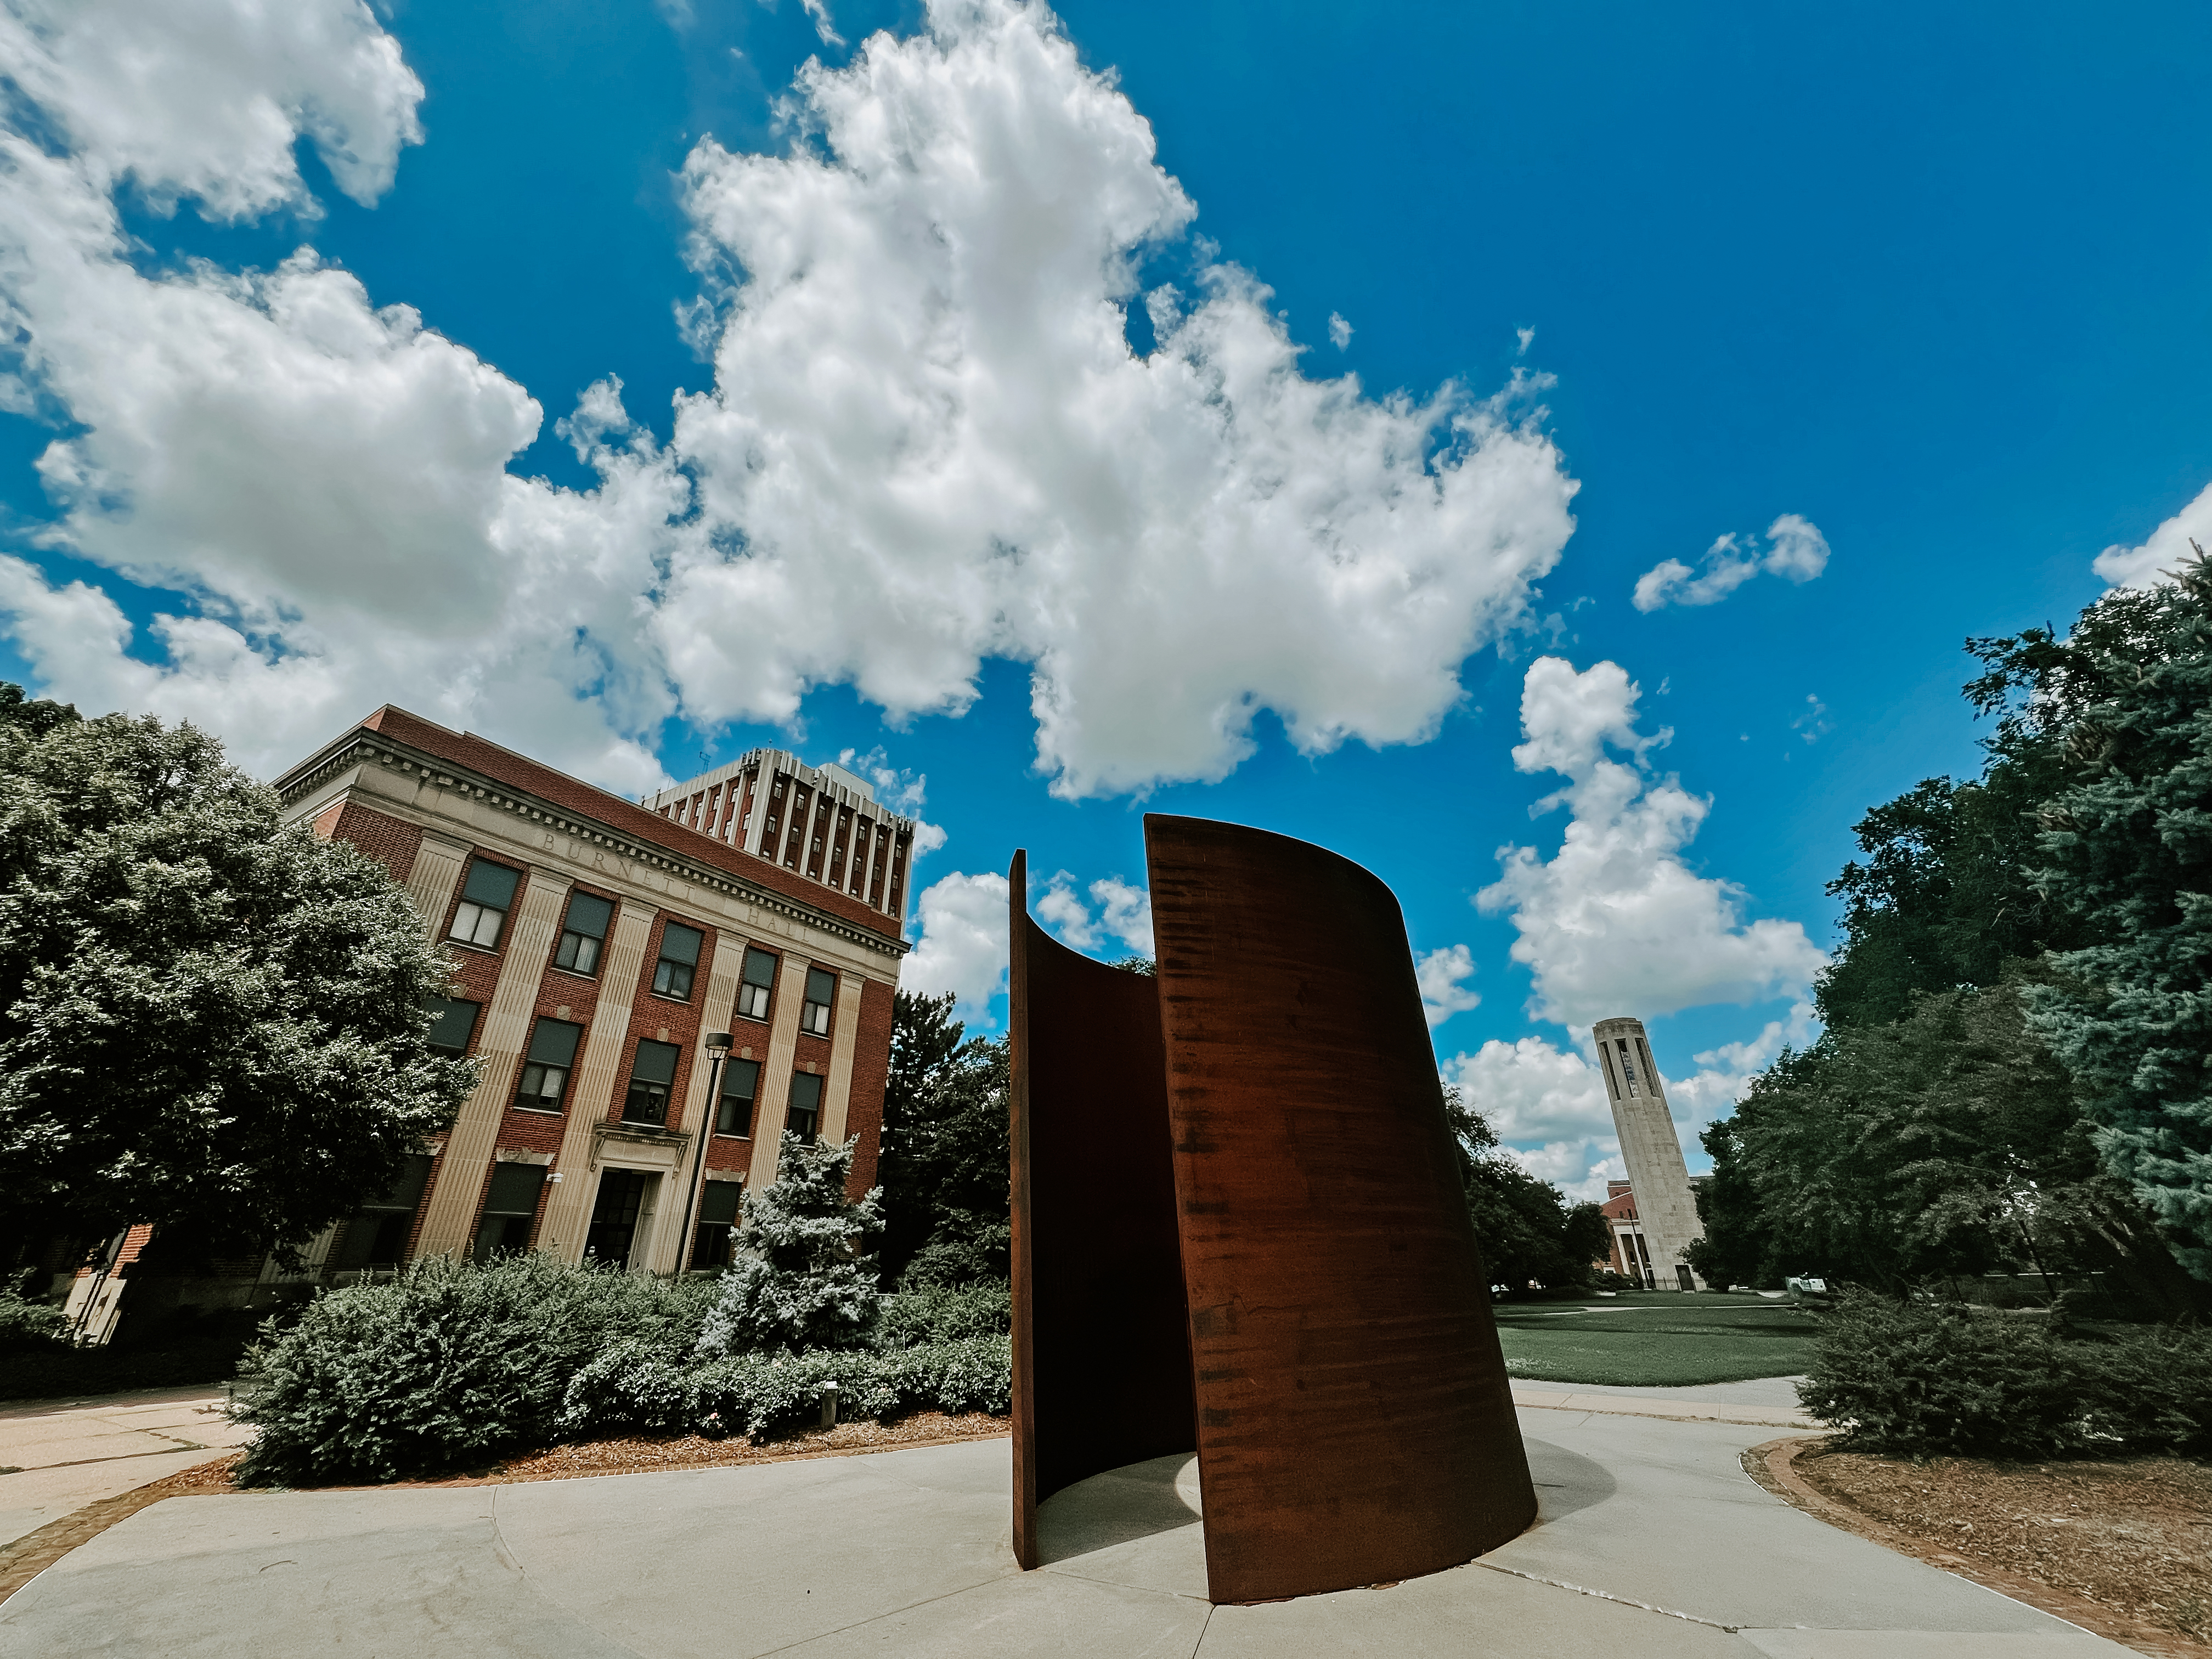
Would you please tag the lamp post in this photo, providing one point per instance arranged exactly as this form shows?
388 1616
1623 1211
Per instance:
718 1049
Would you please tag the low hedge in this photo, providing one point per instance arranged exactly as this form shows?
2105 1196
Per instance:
31 1327
454 1363
942 1314
450 1364
1927 1380
638 1387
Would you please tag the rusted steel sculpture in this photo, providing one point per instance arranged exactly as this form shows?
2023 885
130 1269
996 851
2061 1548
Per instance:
1102 1347
1353 1420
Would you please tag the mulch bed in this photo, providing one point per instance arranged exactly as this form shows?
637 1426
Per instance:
2123 1549
33 1552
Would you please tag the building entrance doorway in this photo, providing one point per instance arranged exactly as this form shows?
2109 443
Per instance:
624 1204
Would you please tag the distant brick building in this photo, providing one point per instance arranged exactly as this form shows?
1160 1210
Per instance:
1629 1253
595 942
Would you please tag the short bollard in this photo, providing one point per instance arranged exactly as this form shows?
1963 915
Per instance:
829 1405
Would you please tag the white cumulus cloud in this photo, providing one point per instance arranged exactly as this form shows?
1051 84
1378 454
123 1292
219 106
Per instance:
1442 974
208 98
324 480
1795 549
1615 921
1340 332
1124 915
962 946
2164 551
928 442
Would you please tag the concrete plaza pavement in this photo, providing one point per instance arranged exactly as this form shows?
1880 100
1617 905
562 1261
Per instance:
62 1454
1653 1541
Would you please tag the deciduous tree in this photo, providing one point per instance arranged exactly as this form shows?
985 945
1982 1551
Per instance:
210 1020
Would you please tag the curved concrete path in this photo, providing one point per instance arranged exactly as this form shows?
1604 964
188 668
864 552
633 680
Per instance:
57 1455
1653 1542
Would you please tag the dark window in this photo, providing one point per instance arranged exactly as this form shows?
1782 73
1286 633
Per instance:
485 901
509 1207
650 1075
679 960
615 1216
821 992
718 1224
583 934
452 1024
740 1085
376 1235
1628 1069
805 1117
545 1068
759 980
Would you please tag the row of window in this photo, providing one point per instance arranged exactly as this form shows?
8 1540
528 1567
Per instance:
489 895
376 1236
551 1057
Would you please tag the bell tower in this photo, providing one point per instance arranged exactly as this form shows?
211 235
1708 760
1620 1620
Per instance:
1656 1174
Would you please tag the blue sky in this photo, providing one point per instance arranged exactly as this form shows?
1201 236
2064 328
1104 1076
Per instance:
1911 306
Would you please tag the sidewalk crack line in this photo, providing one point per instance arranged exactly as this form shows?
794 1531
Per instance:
1603 1595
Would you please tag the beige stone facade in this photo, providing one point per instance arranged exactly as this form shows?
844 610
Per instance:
1666 1210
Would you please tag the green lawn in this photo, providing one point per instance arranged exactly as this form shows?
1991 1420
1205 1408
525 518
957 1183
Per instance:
1654 1339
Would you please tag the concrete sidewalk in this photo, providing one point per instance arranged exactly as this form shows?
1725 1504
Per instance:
1652 1543
1770 1402
65 1454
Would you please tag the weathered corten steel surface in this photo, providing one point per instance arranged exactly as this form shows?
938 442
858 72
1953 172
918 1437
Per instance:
1355 1424
1101 1343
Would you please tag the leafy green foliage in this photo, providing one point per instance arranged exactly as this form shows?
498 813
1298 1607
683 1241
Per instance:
1526 1228
65 1372
450 1364
1892 1153
947 1207
1929 1380
1735 1247
803 1283
30 1327
1945 899
208 1020
944 1313
2016 1074
1948 1142
636 1387
2120 711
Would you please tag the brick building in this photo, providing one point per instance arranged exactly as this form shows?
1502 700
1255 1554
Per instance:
1629 1253
595 943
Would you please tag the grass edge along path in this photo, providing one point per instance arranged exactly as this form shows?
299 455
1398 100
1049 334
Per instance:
1771 1463
1654 1340
27 1557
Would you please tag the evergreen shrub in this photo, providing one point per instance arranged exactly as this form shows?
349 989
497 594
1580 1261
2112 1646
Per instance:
31 1327
449 1363
945 1314
802 1284
1927 1380
637 1388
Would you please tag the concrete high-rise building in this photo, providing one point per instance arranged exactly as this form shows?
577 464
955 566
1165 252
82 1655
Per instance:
1666 1210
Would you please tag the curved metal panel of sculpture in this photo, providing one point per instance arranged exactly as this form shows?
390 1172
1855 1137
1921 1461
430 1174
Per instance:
1102 1369
1354 1422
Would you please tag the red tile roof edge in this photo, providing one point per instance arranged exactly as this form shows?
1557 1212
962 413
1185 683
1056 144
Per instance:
520 773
